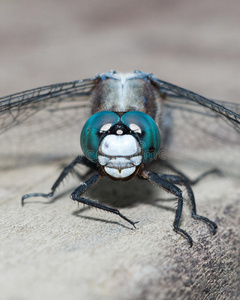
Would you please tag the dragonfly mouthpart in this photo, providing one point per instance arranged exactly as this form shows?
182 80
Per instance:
120 155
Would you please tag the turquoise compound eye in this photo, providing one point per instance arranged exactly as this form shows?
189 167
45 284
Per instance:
92 131
147 131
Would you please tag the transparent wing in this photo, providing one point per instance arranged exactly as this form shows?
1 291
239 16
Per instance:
49 121
206 120
200 129
45 122
220 108
16 108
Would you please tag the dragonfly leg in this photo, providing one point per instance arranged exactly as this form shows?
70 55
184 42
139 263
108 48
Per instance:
170 187
78 160
209 172
196 180
180 180
76 196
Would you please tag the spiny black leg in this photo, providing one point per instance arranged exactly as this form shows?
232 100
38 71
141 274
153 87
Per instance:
177 221
179 180
78 160
196 180
159 180
76 196
211 224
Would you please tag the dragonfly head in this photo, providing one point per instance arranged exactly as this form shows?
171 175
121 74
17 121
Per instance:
120 143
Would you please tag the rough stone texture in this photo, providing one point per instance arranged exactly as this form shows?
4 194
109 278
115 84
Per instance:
55 250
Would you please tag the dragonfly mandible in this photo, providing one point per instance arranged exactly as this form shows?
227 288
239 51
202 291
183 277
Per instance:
130 119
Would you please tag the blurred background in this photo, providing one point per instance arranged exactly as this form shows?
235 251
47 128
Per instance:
194 44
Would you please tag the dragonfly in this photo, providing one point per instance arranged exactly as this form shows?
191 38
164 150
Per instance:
129 118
